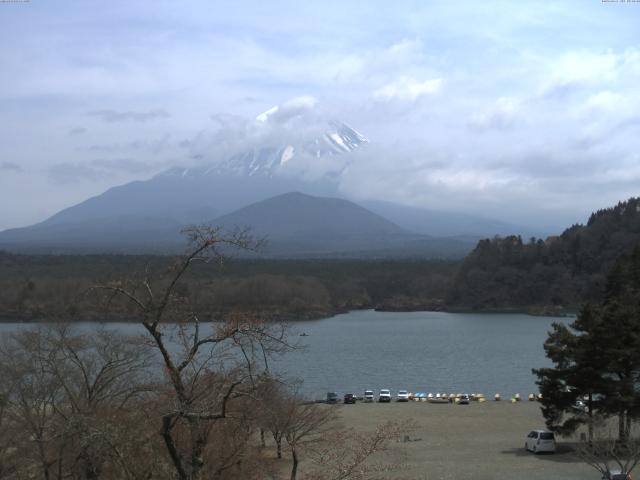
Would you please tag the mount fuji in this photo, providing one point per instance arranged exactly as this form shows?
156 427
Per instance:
196 194
285 153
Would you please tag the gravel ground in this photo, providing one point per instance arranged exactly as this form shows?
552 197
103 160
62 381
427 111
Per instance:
480 441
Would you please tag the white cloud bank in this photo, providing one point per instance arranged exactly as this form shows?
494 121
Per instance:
410 89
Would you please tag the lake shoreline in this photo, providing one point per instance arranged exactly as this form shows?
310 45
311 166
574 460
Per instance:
533 311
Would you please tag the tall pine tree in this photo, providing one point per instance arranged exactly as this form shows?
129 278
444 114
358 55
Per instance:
597 357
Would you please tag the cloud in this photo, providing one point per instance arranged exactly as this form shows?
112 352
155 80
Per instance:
65 173
113 116
606 100
99 169
11 167
298 125
291 109
128 165
408 89
154 146
500 115
77 131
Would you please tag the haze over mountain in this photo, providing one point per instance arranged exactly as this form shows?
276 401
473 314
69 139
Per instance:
447 223
294 225
311 162
288 151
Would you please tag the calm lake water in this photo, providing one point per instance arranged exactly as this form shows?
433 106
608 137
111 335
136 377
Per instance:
421 352
418 351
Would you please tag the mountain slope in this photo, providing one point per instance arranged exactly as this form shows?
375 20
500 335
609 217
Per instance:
441 223
295 225
118 234
299 215
299 225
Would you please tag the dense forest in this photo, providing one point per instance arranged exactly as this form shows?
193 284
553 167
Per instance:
547 275
59 287
539 276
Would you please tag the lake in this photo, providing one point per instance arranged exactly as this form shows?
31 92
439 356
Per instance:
418 351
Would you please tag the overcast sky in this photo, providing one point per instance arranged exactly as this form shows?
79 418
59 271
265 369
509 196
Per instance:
524 111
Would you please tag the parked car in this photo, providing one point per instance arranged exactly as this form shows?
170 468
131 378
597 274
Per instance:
349 398
332 397
384 396
616 475
464 399
368 395
540 441
402 396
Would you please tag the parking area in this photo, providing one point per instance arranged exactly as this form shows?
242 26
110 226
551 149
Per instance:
480 441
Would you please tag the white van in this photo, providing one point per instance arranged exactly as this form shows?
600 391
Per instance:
540 441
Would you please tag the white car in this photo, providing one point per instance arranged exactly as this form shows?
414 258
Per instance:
540 441
368 395
385 395
402 396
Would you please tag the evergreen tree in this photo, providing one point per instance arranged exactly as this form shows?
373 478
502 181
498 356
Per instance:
597 357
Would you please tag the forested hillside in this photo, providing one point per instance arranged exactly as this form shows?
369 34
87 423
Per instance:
546 275
539 276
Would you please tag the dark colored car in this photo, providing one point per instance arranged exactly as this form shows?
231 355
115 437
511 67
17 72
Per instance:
349 398
332 397
616 475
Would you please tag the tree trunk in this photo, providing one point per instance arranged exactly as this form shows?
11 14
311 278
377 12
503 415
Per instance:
278 445
176 459
590 413
294 466
621 426
43 459
199 439
262 442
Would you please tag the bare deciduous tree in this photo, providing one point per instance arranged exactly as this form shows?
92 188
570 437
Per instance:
307 425
347 455
605 452
207 366
66 396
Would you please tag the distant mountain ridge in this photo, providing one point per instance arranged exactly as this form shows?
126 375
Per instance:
295 225
441 223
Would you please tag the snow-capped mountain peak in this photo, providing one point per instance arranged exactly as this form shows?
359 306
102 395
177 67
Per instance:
295 155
